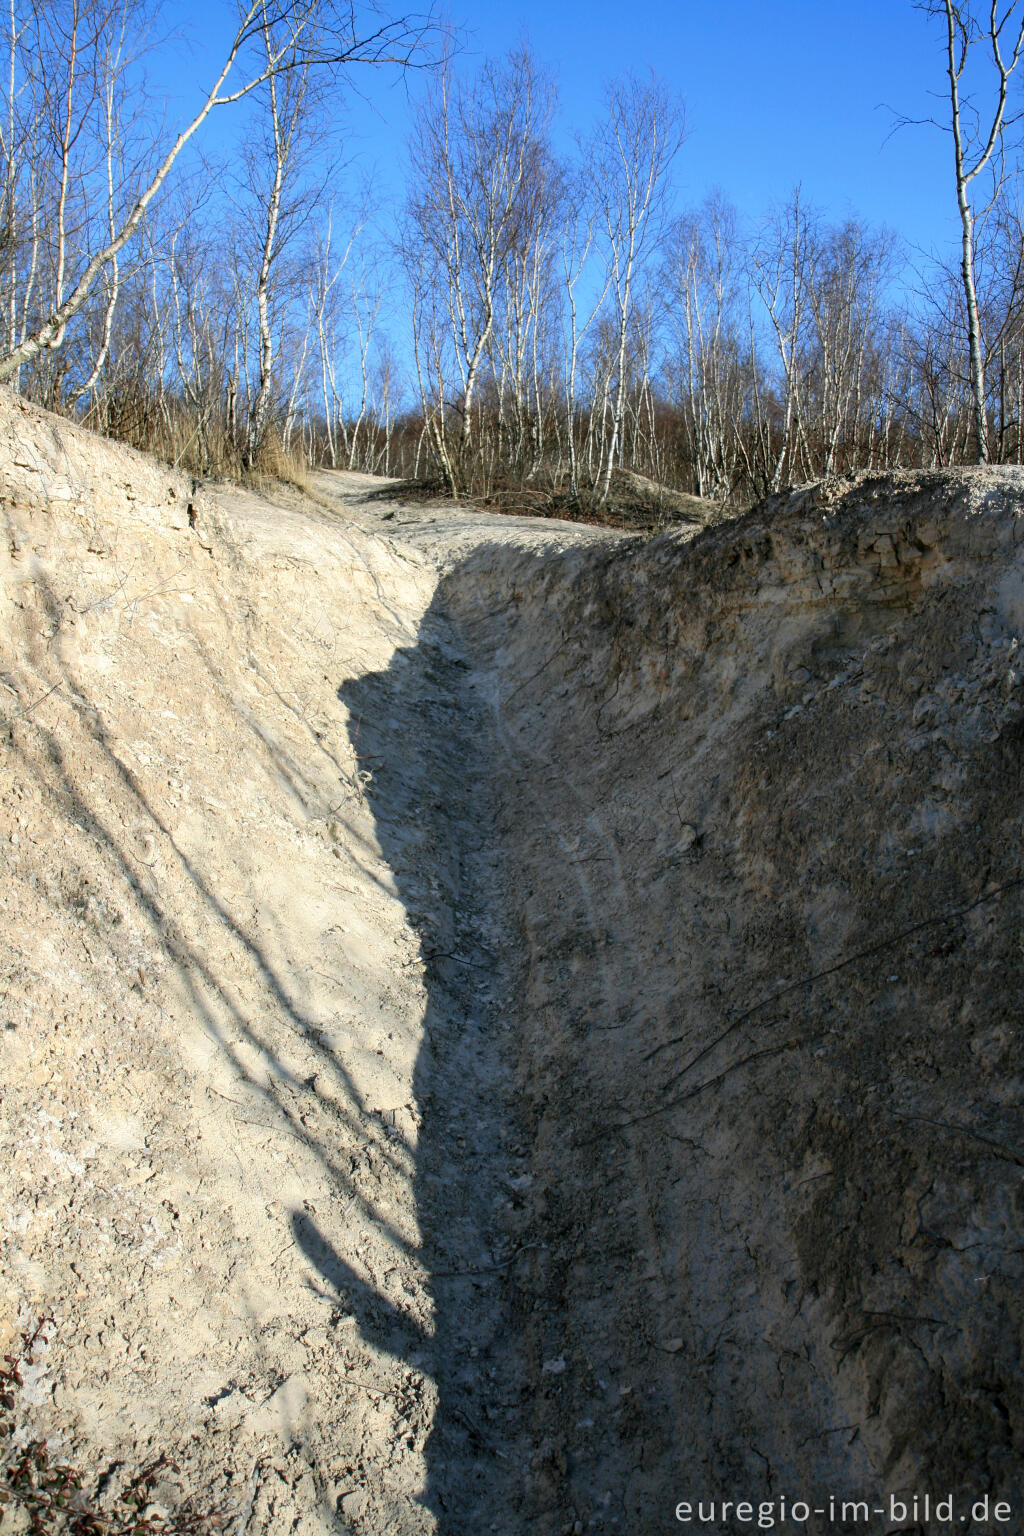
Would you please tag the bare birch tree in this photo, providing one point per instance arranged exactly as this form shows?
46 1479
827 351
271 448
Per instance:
703 293
780 269
630 159
327 34
578 243
985 38
847 271
478 156
280 202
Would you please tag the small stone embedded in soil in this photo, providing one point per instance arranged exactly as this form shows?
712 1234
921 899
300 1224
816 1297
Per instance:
353 1504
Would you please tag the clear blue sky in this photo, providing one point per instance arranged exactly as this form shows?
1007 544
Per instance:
776 92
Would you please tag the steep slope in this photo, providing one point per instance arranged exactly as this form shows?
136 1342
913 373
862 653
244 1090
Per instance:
213 997
764 793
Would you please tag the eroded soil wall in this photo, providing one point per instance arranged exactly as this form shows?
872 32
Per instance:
761 819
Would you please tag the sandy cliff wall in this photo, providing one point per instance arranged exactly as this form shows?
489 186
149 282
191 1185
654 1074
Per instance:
211 996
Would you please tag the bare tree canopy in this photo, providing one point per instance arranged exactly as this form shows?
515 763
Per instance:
630 162
68 115
987 39
539 324
476 235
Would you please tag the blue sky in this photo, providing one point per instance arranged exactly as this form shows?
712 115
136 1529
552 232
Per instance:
777 92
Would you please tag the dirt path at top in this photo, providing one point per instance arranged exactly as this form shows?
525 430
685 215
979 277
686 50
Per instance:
508 1028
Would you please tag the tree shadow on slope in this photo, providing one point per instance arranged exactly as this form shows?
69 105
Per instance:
417 731
51 747
423 751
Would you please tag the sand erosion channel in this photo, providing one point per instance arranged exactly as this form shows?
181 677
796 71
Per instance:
511 1027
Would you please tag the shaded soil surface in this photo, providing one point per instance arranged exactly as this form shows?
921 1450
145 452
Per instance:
510 1027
